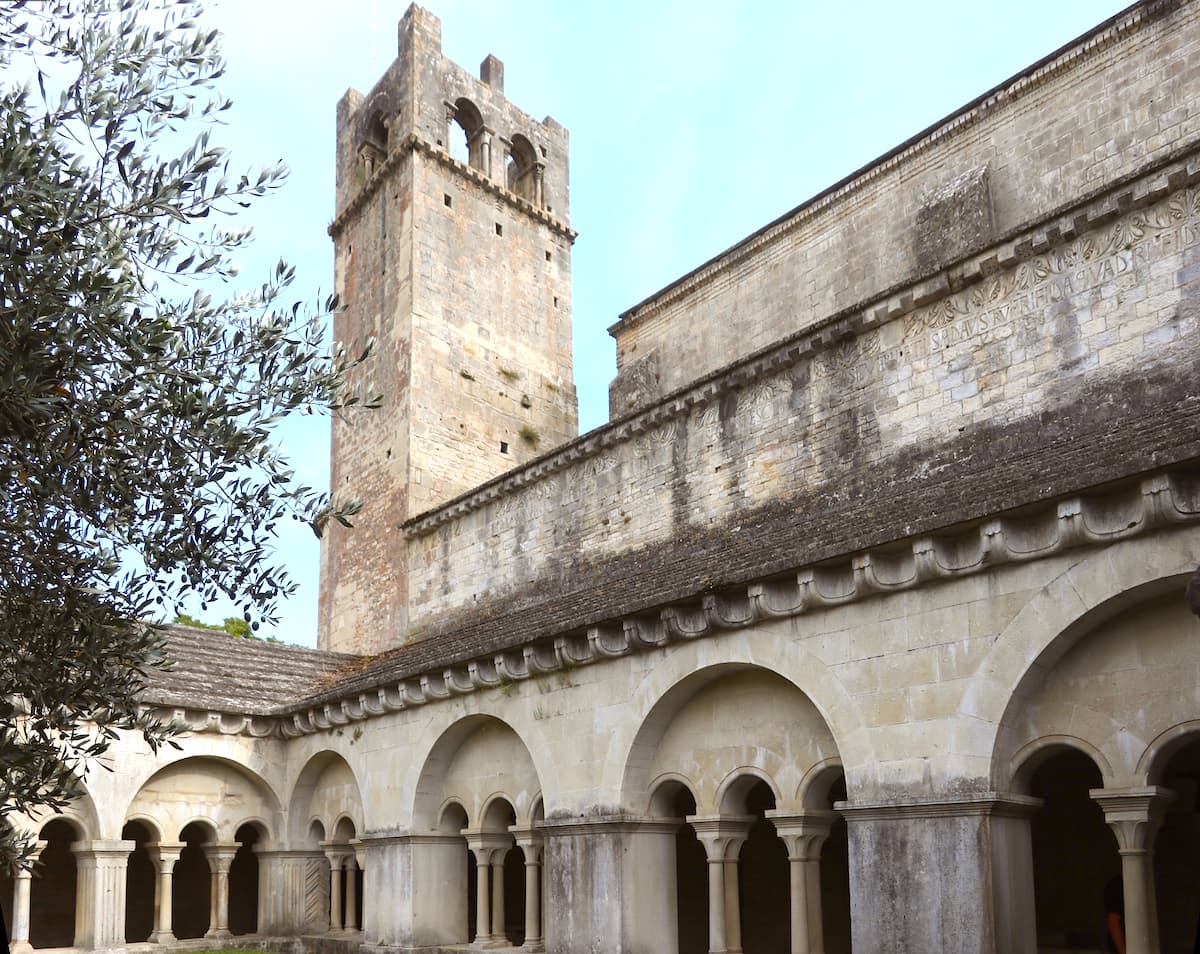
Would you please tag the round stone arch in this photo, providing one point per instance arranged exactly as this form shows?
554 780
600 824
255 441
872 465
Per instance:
196 788
688 668
731 793
80 813
326 790
437 770
1161 748
446 733
1078 600
1030 757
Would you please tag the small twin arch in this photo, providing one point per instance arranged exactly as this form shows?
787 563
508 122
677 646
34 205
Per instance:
672 792
498 815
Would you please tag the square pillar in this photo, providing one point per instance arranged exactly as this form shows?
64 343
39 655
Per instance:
283 888
100 897
942 876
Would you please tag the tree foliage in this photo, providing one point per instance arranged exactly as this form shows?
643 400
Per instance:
136 406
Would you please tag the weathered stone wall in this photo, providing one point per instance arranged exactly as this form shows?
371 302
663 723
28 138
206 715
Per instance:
1082 120
1025 348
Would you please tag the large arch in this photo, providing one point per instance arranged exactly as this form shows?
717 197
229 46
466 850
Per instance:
479 781
1080 598
687 668
326 790
211 789
757 766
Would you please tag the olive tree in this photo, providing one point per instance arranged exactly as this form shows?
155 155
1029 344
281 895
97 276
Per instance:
139 389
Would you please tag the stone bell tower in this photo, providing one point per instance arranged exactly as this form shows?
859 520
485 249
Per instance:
452 248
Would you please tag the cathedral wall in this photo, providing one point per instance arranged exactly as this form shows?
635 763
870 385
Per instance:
1096 114
1078 349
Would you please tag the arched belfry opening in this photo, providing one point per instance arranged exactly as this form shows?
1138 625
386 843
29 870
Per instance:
521 169
468 140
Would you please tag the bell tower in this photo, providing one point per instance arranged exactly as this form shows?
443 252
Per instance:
453 250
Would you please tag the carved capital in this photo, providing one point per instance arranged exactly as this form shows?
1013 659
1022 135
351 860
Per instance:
1133 814
804 833
721 835
164 854
489 846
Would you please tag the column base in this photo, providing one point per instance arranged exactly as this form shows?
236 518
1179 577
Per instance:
20 947
217 935
159 937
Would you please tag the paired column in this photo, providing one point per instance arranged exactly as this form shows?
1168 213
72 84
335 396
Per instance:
722 837
19 936
351 875
529 840
164 854
337 855
490 847
804 834
1134 815
220 857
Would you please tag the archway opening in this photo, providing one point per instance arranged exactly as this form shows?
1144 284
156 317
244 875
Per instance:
835 876
191 884
140 878
763 879
53 890
1074 853
243 882
520 168
1176 853
514 895
674 800
465 134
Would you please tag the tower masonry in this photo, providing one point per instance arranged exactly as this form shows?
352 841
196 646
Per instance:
453 250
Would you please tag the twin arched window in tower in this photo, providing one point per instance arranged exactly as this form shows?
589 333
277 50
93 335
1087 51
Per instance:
513 161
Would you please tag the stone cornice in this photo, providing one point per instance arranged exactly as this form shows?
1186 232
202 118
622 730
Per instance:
1105 516
1011 90
983 803
828 335
414 143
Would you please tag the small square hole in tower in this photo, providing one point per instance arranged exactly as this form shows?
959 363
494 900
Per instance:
499 229
504 447
446 198
547 255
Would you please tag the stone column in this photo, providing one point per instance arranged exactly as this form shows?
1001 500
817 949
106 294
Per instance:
529 840
804 835
539 189
489 848
351 876
485 151
19 933
359 861
164 854
499 927
100 892
1134 815
722 837
337 857
220 857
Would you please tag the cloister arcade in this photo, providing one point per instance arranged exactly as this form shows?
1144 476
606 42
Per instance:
735 793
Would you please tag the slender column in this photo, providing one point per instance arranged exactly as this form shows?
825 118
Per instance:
722 837
489 848
485 152
19 940
804 835
499 928
1134 815
529 840
351 893
482 924
337 857
220 857
164 855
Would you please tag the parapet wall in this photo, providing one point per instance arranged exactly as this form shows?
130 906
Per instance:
1087 116
1046 346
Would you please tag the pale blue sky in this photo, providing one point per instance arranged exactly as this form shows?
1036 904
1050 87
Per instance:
692 125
